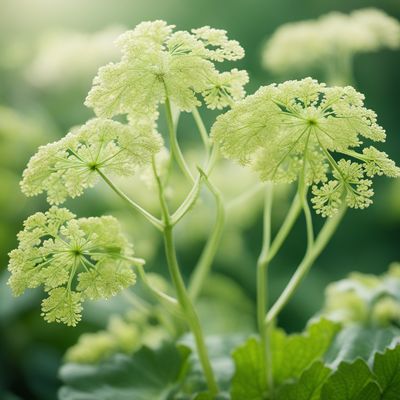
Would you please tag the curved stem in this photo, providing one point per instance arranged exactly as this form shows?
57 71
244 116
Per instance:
188 310
188 203
202 129
286 227
151 218
203 266
320 243
170 302
184 301
262 284
191 198
173 141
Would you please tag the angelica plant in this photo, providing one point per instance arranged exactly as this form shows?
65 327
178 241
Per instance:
299 132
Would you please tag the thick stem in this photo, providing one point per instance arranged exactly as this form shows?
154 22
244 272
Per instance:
320 243
262 285
184 301
188 310
173 141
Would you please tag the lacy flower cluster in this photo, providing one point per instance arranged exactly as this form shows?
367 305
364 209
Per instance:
307 44
307 132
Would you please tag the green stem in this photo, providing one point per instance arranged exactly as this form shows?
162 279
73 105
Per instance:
286 227
170 302
203 266
184 301
188 310
202 129
151 218
262 285
173 141
320 243
188 203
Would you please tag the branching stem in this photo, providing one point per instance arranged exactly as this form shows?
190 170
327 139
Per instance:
151 218
183 298
320 243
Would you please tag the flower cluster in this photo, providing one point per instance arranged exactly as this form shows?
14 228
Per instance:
52 66
365 298
310 43
65 168
157 62
74 259
292 131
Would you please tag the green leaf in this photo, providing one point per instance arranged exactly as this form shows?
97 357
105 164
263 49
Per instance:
249 381
360 342
351 382
148 374
309 385
387 371
219 350
292 354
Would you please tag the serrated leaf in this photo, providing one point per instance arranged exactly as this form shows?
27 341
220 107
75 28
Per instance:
350 382
249 381
360 342
387 371
370 392
219 350
309 385
148 374
293 354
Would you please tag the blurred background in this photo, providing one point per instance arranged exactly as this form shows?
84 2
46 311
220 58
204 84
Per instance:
49 53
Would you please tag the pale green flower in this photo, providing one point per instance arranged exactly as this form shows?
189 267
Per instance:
296 131
65 168
74 259
334 36
157 62
366 299
52 65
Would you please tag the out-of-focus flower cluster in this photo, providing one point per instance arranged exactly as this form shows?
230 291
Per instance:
363 298
309 44
65 58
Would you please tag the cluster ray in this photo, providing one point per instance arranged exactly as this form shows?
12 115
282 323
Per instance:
67 167
157 62
74 259
296 131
